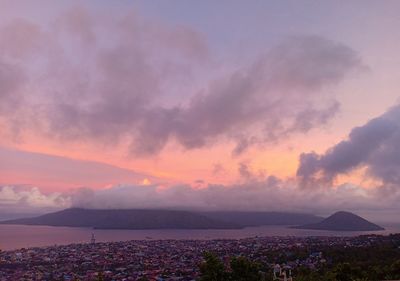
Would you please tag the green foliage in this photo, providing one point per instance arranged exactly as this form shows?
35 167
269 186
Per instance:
212 269
373 262
343 272
244 270
241 269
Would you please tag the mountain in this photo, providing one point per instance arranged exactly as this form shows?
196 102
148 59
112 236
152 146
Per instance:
263 218
12 216
125 219
343 221
163 219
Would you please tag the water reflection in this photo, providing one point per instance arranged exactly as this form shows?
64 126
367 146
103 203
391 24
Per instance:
19 236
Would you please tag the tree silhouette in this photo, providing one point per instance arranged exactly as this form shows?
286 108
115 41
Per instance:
212 269
244 270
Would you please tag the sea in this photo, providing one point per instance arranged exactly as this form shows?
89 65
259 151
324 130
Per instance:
14 237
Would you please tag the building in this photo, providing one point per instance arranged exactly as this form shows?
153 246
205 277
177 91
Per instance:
282 273
93 239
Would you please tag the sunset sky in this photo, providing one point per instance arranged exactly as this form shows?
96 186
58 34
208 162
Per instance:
244 105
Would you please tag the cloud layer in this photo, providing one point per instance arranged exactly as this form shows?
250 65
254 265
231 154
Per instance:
112 80
254 191
268 194
28 199
127 81
61 173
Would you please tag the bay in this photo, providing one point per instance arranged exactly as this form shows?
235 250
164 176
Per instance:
27 236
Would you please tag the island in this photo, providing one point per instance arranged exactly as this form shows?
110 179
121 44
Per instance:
162 219
343 221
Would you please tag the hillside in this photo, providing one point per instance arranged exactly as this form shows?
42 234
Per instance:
263 218
343 221
125 219
163 219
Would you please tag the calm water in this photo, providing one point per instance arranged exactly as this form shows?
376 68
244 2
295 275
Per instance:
22 236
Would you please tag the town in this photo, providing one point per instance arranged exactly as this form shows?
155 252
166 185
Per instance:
170 259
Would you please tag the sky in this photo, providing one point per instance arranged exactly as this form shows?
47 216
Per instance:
227 105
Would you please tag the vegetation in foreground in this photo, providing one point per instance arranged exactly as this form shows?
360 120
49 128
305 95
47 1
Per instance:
376 262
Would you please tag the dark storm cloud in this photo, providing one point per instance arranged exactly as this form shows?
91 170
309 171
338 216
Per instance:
373 145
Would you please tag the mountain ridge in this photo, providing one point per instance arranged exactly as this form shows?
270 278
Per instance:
125 219
162 219
258 218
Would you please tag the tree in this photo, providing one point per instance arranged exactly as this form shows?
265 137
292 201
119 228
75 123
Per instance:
212 269
244 270
343 272
100 276
395 269
241 269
